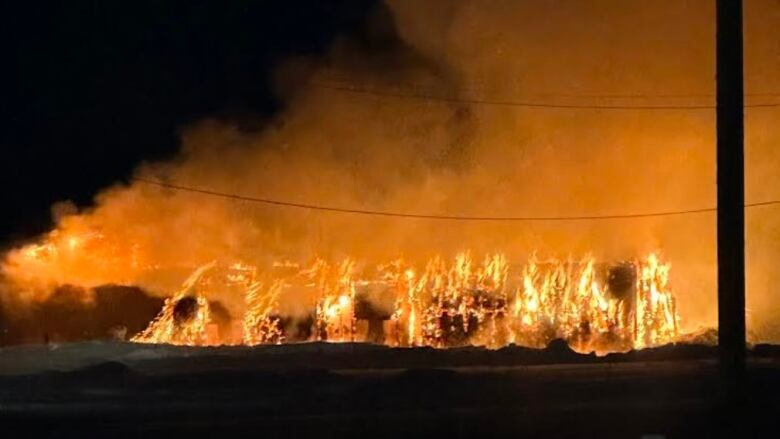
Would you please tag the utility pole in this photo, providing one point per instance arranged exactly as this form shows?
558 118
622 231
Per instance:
731 196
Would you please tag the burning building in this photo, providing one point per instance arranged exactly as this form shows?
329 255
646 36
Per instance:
490 302
594 306
382 152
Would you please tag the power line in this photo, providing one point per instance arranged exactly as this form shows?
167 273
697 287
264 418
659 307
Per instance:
642 95
526 104
413 86
432 216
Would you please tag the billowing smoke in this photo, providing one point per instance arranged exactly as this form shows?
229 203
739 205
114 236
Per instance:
380 151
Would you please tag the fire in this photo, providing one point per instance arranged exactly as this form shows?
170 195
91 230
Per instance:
76 256
260 324
593 306
170 328
335 313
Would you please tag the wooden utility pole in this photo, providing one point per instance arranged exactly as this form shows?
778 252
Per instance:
731 195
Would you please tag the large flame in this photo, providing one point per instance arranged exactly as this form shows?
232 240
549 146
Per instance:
166 328
448 304
594 306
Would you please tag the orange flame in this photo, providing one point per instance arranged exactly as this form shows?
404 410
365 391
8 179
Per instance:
444 304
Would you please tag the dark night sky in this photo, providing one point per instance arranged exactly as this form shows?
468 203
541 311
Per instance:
95 87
